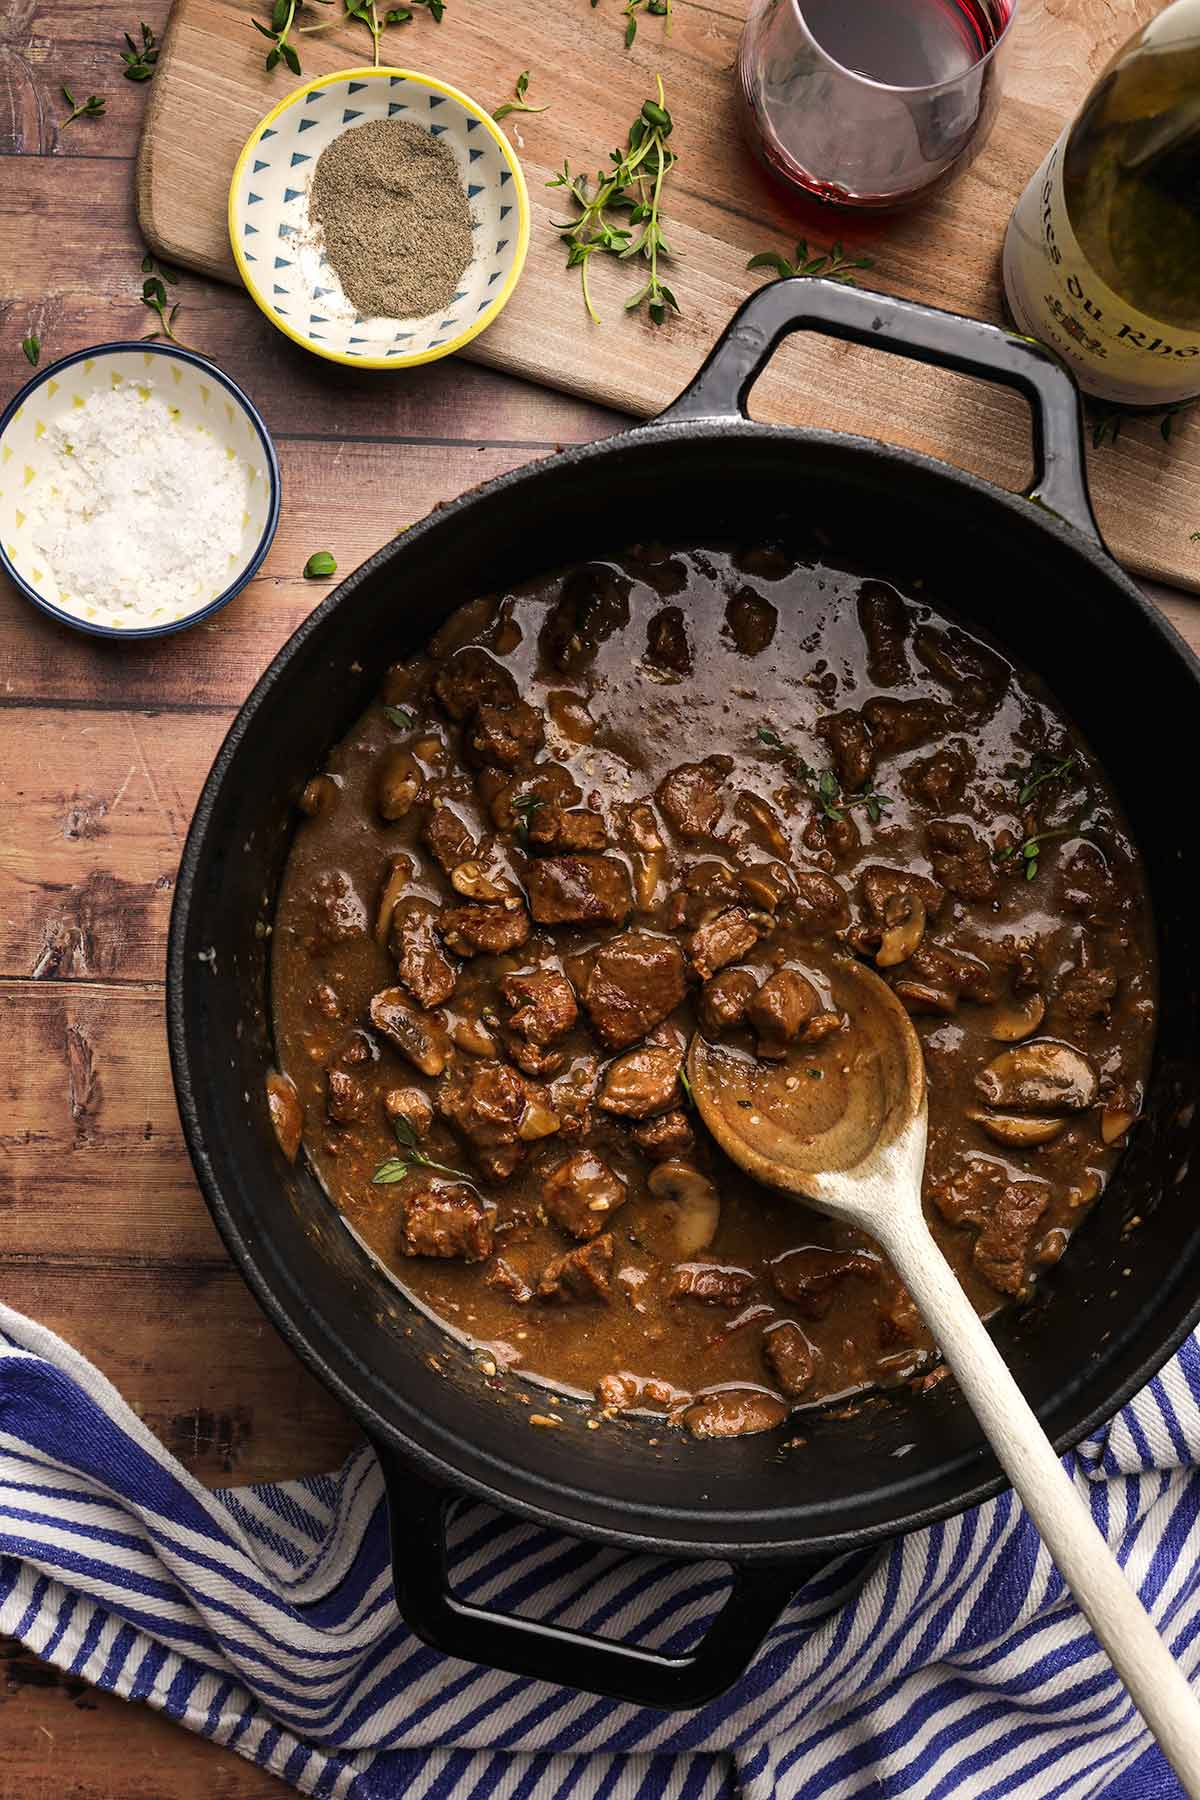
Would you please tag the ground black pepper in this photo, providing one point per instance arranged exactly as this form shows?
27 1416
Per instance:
393 214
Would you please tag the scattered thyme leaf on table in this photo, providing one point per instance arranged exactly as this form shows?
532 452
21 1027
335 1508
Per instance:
320 566
520 104
363 12
91 108
831 265
154 295
631 189
139 59
32 349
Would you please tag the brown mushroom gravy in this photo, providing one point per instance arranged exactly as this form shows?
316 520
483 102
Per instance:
665 794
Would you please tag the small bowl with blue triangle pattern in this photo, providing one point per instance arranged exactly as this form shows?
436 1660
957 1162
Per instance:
279 256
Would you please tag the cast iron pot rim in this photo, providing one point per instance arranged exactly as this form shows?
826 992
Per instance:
291 1326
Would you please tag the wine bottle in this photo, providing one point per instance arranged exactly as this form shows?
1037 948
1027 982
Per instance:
1102 256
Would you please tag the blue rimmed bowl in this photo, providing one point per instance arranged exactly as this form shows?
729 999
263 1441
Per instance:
202 396
280 259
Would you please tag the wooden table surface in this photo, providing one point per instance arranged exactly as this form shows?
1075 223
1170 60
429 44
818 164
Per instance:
102 752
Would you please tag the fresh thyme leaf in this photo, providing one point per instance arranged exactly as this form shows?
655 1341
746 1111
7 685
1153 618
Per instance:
391 1170
320 566
363 12
400 715
831 265
154 295
525 805
656 9
91 108
139 59
686 1085
1042 770
633 186
32 348
519 105
398 1168
406 1137
1194 538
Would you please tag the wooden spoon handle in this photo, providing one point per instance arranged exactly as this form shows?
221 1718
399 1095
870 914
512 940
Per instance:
1154 1679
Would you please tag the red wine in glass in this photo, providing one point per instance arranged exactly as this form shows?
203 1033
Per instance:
871 103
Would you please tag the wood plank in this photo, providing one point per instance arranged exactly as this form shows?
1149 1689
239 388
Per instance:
63 1740
722 209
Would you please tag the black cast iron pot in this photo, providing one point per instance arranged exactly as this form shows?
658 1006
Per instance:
1030 569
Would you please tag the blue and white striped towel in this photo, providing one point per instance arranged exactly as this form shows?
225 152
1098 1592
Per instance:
947 1664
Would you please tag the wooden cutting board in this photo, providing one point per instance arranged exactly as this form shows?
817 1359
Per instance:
210 89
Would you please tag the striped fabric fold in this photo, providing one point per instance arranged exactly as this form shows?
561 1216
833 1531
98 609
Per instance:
951 1663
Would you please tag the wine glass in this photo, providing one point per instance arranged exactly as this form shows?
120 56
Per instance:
871 103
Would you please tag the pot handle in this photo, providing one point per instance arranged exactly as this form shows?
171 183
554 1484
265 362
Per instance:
551 1653
950 340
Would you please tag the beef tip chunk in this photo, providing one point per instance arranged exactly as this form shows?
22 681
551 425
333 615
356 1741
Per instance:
420 963
938 781
544 1010
490 1104
781 1006
975 674
399 784
347 1101
725 999
505 736
750 622
903 724
447 838
621 1393
506 1280
810 1277
820 905
286 1113
579 890
690 796
581 1193
961 861
1088 993
708 886
883 619
790 1357
470 679
337 913
725 939
831 841
935 978
634 982
1004 1213
900 1323
1087 886
850 746
734 1412
667 646
556 828
484 930
593 604
667 1136
582 1274
714 1284
878 885
413 1105
642 1083
446 1219
422 1037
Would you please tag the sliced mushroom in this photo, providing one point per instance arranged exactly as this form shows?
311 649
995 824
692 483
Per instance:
473 1036
904 927
1042 1077
471 880
697 1200
650 858
396 879
318 796
421 1036
287 1113
1115 1122
399 785
761 816
1022 1131
1016 1019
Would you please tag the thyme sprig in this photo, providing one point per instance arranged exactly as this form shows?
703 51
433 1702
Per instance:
398 1168
139 59
656 9
283 17
831 265
632 187
91 108
400 715
1107 422
364 12
1029 850
520 104
1041 770
823 784
155 296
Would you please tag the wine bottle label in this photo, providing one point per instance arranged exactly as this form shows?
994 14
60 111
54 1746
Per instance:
1115 351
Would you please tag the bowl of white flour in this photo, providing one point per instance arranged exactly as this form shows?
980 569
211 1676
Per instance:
139 489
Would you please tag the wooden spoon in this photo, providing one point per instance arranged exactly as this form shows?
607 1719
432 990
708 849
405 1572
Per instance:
853 1143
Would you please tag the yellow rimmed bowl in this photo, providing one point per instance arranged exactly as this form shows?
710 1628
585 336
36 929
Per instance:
280 259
